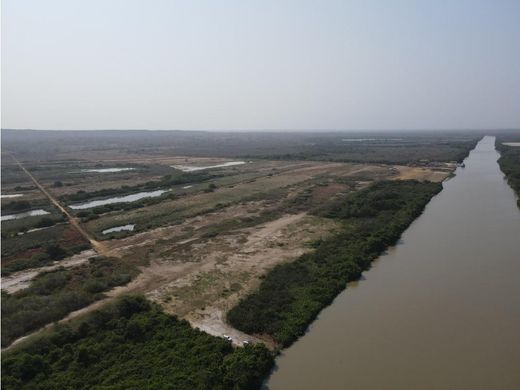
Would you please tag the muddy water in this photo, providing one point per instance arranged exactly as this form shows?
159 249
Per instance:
440 311
107 170
116 229
189 168
118 199
32 213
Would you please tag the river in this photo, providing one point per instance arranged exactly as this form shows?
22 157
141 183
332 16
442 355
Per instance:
441 310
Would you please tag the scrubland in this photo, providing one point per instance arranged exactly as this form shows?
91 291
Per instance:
252 251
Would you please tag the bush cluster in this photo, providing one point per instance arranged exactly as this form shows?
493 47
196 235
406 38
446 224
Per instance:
134 345
509 162
293 294
52 295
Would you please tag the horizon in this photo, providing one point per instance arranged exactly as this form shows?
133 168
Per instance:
231 66
494 129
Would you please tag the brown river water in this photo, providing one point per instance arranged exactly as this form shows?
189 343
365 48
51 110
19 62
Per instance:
441 310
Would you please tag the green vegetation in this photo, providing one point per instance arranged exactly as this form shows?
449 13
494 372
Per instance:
16 206
30 249
398 151
175 212
39 259
509 162
293 294
94 213
46 222
133 345
24 188
390 146
165 182
211 187
54 294
22 225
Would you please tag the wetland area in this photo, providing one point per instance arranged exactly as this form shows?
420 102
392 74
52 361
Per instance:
249 253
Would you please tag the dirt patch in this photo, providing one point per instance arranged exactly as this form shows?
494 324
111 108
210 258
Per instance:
227 268
20 280
322 193
217 246
170 237
418 173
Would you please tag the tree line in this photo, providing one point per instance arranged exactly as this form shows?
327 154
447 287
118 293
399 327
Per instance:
133 345
509 163
292 294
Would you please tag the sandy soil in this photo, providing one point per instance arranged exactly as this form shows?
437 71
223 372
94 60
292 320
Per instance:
417 173
208 276
229 267
20 280
199 277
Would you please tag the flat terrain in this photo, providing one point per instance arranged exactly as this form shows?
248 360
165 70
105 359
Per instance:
210 236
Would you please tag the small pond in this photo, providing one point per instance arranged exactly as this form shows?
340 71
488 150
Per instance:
118 199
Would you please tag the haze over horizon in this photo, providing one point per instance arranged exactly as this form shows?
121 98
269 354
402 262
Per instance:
294 65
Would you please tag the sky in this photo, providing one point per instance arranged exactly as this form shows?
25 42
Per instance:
252 65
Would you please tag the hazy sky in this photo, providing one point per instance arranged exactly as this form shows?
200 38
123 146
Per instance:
164 64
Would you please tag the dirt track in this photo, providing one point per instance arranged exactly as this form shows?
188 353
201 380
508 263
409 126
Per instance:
22 279
99 247
201 278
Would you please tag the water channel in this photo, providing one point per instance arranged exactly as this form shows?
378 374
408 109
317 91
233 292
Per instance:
439 311
118 199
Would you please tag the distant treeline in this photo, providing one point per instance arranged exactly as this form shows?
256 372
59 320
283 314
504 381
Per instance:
133 345
376 146
380 152
293 294
509 162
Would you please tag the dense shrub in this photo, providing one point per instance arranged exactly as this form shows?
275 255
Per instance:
55 252
293 294
53 294
165 182
134 345
16 206
509 162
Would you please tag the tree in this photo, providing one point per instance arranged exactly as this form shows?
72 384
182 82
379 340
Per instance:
56 252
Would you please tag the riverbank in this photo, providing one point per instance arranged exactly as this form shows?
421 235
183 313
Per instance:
133 344
439 310
292 294
509 162
371 219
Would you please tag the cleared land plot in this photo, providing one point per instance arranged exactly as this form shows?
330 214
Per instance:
242 187
210 243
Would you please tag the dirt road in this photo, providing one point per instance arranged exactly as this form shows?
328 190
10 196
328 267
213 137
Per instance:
98 247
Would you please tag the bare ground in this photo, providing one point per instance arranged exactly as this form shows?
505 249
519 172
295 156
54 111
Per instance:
231 266
20 280
419 173
200 277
